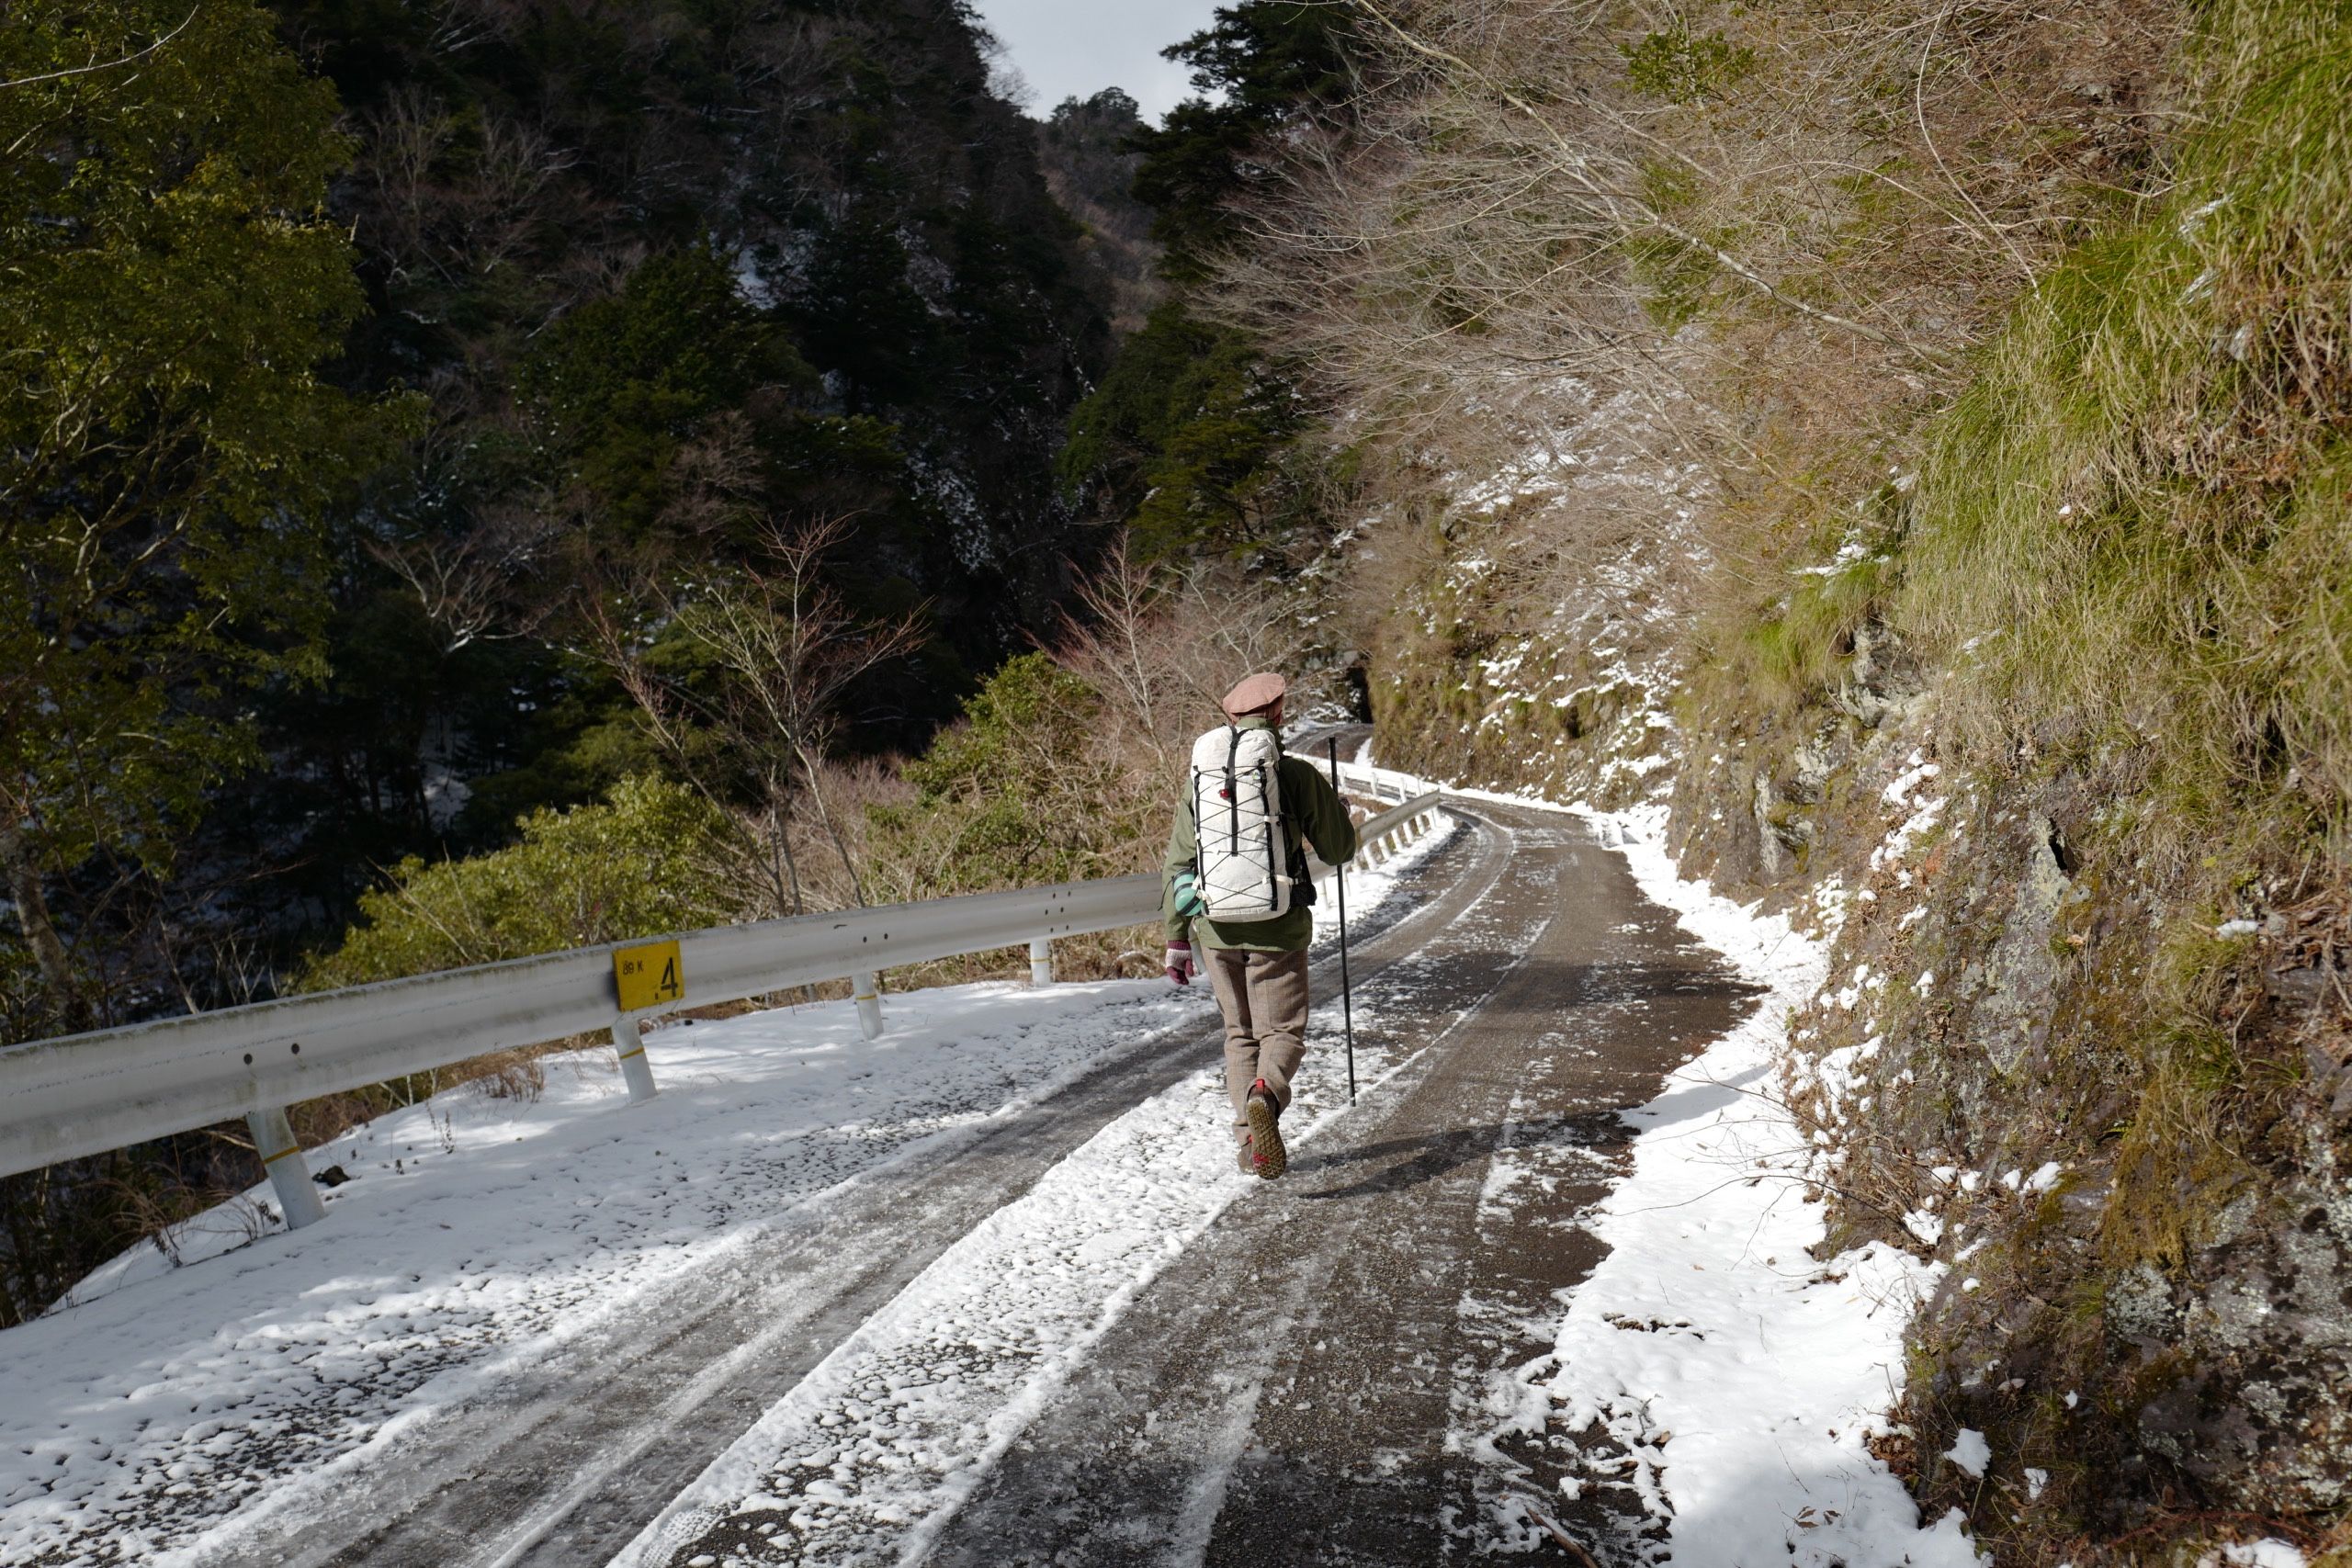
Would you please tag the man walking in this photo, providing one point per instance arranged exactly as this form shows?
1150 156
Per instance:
1257 966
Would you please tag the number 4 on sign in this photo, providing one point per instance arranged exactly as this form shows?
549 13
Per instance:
649 975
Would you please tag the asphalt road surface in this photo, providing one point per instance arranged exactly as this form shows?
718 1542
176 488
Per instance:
1293 1388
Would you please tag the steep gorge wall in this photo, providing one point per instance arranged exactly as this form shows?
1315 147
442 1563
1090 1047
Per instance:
2120 1110
2035 717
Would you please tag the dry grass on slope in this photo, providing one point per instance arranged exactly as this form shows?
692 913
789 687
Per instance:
1771 233
2138 518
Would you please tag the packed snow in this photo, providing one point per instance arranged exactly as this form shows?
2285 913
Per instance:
234 1370
475 1233
1726 1376
1744 1379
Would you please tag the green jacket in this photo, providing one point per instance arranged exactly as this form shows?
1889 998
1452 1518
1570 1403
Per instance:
1310 805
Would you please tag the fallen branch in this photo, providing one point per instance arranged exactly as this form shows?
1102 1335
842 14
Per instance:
1567 1543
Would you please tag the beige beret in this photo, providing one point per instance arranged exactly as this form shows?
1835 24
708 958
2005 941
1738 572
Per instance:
1256 693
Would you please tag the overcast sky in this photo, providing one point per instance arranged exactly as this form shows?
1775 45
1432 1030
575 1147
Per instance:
1070 49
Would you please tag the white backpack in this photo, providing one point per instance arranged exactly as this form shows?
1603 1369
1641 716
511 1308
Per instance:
1243 860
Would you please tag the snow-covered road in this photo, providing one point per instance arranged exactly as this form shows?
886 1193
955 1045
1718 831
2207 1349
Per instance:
176 1409
989 1290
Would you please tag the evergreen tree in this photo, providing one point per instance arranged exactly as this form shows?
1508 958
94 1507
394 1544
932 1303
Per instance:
168 447
1261 66
1187 438
1182 438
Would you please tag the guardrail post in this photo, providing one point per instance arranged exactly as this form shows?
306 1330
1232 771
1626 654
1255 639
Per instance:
289 1177
867 989
636 1071
1040 961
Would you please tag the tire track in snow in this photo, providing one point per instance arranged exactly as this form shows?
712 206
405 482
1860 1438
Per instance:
1304 1385
865 1458
873 1453
1140 1462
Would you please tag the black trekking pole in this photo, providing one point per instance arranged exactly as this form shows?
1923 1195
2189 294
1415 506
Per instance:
1340 877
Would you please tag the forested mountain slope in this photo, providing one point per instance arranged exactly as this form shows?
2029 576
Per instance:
423 416
676 274
602 301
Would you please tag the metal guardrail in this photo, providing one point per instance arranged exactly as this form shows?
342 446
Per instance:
83 1094
1379 783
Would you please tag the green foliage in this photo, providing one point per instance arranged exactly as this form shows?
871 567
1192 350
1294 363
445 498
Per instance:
1017 795
1678 277
650 859
1669 184
1184 441
1183 437
1798 652
645 331
1028 713
640 333
168 449
1684 68
1269 63
2136 515
624 380
589 746
677 345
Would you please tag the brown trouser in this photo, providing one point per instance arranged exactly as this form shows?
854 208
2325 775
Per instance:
1264 998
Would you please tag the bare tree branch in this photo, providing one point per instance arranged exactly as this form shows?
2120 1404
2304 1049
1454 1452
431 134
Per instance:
105 64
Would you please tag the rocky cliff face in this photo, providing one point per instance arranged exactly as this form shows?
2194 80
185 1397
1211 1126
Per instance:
2110 1093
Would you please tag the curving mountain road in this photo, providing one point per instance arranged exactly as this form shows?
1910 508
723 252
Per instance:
1297 1373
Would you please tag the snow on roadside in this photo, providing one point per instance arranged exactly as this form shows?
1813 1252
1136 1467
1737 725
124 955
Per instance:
476 1234
182 1392
1744 1379
870 1455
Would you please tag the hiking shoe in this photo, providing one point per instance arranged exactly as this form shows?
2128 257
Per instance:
1249 1158
1265 1131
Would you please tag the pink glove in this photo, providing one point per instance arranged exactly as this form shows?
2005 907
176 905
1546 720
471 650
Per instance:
1180 968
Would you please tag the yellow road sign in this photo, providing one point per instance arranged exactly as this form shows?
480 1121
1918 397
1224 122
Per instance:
649 975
